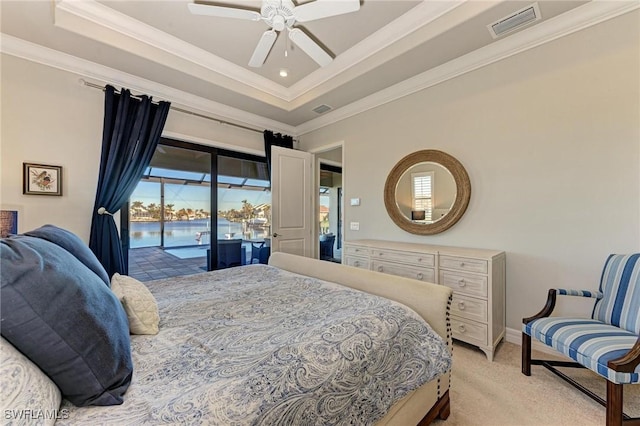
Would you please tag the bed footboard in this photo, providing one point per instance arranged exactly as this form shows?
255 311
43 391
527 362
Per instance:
430 301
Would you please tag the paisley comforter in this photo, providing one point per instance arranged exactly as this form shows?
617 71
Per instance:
257 345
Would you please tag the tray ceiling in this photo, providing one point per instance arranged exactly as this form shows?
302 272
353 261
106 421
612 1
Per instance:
201 62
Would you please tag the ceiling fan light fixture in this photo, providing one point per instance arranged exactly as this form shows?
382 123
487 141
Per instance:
278 22
281 15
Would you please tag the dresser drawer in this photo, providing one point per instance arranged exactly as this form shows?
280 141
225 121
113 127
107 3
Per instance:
469 331
425 259
355 250
415 272
474 285
468 307
358 262
464 264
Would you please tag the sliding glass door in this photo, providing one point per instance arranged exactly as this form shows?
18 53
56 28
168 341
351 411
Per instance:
244 210
170 214
171 229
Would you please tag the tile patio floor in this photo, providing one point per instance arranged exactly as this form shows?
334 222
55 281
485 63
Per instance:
153 263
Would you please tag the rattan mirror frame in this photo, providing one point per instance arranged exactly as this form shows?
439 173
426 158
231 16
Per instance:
463 191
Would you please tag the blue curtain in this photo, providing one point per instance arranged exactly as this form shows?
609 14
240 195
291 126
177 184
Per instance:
131 132
275 139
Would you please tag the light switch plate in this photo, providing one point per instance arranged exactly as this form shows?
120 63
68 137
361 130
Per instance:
355 201
354 226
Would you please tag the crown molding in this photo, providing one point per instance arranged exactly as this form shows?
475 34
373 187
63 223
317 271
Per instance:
577 19
104 75
582 17
152 43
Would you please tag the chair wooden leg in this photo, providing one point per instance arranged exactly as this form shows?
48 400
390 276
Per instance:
614 404
526 354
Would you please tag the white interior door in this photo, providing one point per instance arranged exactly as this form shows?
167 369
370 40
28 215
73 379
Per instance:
292 201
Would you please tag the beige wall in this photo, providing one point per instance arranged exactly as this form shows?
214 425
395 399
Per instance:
48 117
551 141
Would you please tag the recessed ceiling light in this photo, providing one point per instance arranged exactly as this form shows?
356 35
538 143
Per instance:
284 73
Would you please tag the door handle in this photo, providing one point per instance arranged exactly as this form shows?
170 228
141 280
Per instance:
275 235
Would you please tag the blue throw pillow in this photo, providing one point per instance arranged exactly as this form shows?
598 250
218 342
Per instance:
61 316
74 245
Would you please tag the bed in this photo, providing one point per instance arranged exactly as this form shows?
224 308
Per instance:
298 341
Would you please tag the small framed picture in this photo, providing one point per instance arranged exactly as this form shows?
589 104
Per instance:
40 179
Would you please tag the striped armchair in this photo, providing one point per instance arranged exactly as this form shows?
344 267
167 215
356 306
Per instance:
608 343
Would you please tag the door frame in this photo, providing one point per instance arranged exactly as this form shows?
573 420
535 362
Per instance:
319 150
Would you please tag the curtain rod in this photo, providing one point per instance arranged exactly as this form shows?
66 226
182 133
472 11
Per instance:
97 86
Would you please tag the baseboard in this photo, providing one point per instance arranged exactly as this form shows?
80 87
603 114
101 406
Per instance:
515 336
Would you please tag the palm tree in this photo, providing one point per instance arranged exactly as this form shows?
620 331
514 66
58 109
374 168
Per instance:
247 210
136 208
154 210
168 211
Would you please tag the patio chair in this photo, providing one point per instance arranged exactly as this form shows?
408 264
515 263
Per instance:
229 253
608 343
263 255
255 250
326 246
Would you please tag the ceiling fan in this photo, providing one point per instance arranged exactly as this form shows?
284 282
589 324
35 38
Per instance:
282 15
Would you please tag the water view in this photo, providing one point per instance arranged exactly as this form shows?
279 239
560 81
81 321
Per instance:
189 232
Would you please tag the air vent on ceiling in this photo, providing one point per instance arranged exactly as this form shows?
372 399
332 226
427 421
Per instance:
516 20
321 109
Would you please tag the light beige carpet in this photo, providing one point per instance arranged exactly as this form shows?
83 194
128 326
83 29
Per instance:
497 393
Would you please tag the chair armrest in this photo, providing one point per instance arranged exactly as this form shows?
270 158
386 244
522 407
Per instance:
551 301
548 307
580 293
628 362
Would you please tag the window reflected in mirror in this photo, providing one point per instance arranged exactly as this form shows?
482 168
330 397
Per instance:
425 192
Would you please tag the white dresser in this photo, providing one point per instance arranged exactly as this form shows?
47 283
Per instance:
477 277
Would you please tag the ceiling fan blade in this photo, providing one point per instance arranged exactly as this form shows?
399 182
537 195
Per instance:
262 49
310 47
223 12
324 8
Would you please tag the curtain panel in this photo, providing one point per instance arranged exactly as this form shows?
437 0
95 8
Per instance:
131 132
275 139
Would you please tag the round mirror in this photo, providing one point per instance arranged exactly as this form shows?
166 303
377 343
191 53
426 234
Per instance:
427 192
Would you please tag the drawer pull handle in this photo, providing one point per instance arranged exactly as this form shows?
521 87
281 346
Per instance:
420 276
380 268
461 306
462 328
419 259
462 283
356 263
462 264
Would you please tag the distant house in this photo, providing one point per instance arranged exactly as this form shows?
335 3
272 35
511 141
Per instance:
140 214
324 213
262 211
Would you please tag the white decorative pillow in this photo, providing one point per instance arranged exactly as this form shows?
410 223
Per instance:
26 390
138 303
